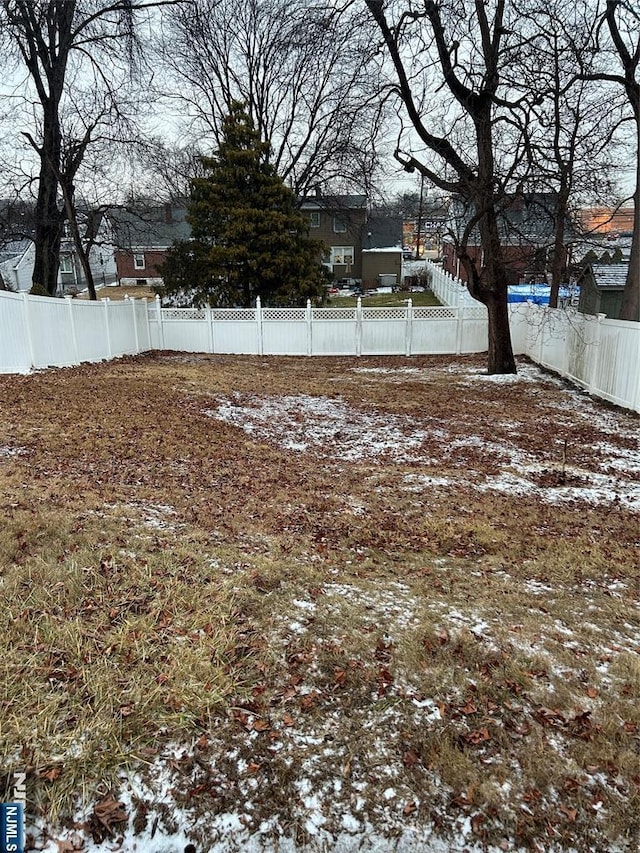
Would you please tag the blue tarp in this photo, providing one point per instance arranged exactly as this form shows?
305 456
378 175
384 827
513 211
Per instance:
537 293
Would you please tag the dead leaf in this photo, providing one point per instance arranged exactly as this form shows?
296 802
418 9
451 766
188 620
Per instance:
410 758
106 813
476 823
260 725
478 736
288 720
570 813
50 774
409 808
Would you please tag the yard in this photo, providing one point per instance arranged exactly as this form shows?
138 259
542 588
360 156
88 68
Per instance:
319 604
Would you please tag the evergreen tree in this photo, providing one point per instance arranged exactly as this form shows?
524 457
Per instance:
248 237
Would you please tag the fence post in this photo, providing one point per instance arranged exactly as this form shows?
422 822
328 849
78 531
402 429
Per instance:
459 322
309 319
27 322
159 320
107 329
359 327
209 313
595 357
145 302
409 327
74 339
136 339
259 321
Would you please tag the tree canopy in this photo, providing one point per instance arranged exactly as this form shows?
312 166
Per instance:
248 237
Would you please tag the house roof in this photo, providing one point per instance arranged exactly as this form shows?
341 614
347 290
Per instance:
382 232
333 202
14 250
609 276
154 228
524 220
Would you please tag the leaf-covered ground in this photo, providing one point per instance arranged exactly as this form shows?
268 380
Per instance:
319 604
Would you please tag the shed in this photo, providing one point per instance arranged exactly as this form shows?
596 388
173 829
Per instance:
382 251
601 288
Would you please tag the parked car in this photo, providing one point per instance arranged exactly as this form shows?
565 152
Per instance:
347 283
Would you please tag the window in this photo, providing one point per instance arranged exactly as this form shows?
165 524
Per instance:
315 219
66 264
138 261
339 225
341 255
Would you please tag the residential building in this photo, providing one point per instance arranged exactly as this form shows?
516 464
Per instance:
607 221
143 237
16 264
527 229
337 221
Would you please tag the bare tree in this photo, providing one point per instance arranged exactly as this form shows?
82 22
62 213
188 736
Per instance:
571 142
454 55
621 20
57 42
301 70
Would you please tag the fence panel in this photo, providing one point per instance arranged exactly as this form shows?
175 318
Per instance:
121 331
335 331
15 351
384 331
184 330
90 330
285 331
617 374
51 332
142 324
236 331
434 335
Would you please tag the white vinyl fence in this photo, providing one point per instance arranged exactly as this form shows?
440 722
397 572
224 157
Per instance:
600 355
38 331
321 331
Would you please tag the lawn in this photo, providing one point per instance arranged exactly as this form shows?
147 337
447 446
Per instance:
420 299
319 604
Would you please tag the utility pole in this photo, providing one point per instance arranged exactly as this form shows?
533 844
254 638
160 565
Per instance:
419 217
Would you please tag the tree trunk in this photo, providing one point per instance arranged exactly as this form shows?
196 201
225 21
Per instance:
47 233
630 308
48 218
501 359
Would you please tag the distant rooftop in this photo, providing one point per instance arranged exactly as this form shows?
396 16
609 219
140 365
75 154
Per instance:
610 275
333 202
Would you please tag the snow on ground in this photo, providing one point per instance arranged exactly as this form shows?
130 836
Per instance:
5 450
324 425
302 423
333 806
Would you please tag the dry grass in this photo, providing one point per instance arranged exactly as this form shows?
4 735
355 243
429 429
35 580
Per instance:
418 649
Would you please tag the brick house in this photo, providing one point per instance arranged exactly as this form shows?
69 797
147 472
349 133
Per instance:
142 239
527 226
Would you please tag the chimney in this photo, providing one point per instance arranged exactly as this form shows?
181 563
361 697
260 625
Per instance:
168 217
318 190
